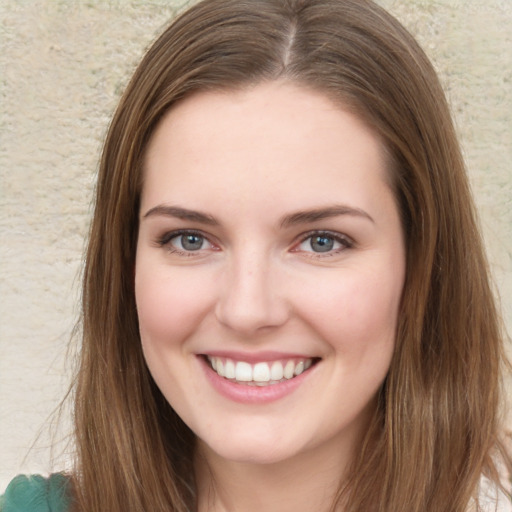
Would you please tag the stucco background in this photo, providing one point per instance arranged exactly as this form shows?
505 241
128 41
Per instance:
63 65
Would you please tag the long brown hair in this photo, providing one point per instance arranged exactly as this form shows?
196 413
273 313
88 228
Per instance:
436 428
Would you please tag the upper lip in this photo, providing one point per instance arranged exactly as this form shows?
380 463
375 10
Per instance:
256 357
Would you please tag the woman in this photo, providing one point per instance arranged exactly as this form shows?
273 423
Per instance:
286 303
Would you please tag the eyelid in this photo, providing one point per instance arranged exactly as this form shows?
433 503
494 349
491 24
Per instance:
165 239
346 241
341 238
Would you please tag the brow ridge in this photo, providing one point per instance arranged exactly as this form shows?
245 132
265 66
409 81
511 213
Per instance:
300 217
316 214
181 213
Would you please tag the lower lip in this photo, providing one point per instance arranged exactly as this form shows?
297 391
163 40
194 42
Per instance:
246 394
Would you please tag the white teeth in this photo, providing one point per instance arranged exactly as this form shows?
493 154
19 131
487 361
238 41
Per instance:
229 369
243 372
220 368
299 368
289 370
276 371
260 374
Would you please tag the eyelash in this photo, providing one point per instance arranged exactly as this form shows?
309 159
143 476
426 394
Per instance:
343 240
164 241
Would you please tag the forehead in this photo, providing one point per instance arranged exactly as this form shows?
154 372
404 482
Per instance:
272 140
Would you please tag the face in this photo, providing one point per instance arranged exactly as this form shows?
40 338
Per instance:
269 270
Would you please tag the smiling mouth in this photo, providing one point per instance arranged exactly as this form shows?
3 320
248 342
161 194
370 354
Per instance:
262 373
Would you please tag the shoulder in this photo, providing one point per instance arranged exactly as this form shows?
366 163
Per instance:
37 494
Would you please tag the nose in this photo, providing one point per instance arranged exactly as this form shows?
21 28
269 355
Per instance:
251 300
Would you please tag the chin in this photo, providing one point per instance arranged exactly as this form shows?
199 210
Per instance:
250 450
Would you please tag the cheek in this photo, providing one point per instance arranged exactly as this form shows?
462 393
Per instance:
169 304
169 307
356 311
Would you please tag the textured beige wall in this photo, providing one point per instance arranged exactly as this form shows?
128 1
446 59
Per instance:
63 64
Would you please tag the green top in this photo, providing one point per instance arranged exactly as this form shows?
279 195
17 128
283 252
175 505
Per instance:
36 494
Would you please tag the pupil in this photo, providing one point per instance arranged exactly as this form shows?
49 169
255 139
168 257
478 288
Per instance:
191 242
322 243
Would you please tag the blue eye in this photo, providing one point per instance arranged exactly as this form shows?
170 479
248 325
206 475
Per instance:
321 243
186 241
324 243
190 242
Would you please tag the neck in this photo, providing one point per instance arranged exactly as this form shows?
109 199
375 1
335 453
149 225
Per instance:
309 481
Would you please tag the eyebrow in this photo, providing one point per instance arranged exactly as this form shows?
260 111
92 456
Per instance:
309 216
181 213
300 217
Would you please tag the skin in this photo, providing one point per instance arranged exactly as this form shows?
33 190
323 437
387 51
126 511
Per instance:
251 160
